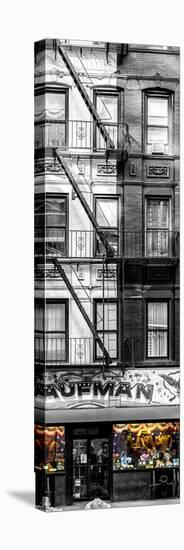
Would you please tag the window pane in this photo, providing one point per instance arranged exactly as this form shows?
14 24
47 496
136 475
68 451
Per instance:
157 343
110 343
55 317
55 105
55 212
55 347
157 108
157 214
157 135
39 316
106 212
39 107
110 316
157 315
107 107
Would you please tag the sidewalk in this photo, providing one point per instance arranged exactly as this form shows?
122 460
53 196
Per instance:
81 506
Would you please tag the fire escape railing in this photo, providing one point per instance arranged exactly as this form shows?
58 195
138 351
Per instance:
85 96
81 244
109 251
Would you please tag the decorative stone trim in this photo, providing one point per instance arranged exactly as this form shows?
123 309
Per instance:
109 273
106 170
154 171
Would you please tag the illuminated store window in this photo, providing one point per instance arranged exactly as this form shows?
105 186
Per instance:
50 448
157 329
150 445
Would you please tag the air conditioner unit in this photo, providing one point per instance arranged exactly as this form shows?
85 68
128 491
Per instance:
158 148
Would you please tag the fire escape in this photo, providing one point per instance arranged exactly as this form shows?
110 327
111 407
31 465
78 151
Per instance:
109 255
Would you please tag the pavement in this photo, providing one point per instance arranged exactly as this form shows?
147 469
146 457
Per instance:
81 506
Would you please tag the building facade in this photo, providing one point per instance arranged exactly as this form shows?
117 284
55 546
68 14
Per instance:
106 272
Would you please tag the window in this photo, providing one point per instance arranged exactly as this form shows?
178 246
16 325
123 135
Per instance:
51 225
157 130
107 328
107 105
107 214
157 227
151 445
50 117
50 448
51 331
157 329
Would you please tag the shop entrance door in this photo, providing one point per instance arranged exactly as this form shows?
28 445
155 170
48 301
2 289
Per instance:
90 468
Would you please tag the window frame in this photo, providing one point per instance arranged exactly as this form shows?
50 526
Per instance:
50 196
109 93
148 198
43 302
41 89
159 94
106 229
158 357
115 331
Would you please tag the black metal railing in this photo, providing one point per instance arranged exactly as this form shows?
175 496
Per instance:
78 134
153 243
74 243
57 350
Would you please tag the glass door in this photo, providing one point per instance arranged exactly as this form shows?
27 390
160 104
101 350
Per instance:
99 469
80 469
90 468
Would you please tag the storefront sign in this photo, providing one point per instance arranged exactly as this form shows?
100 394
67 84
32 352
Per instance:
135 387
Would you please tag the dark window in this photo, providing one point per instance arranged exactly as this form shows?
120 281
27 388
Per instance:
50 118
107 105
157 329
107 216
51 330
158 123
106 326
51 225
157 227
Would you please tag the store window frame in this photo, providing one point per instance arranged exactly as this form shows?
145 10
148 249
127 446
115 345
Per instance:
110 229
108 92
54 89
43 227
96 301
167 330
159 94
43 333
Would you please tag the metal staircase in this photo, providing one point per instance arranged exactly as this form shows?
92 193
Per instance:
85 96
83 311
59 155
100 233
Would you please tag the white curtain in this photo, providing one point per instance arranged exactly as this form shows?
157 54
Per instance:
157 329
157 236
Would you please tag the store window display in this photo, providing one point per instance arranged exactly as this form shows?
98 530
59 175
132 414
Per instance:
49 448
150 445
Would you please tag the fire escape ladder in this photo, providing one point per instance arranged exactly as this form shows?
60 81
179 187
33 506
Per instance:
100 233
85 97
83 311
